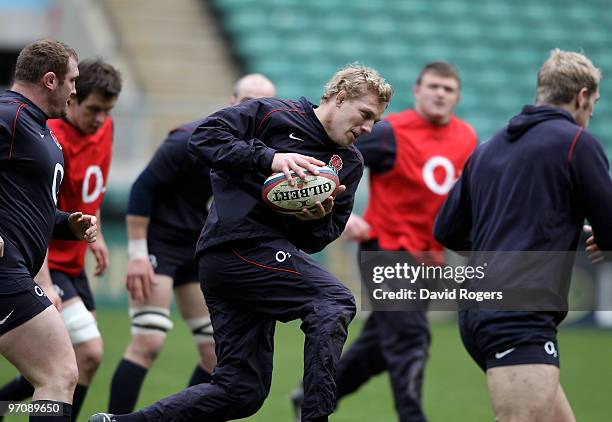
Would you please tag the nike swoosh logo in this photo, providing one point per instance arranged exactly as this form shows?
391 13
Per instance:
504 353
292 136
42 135
6 317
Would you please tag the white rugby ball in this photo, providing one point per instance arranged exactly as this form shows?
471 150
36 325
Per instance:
281 196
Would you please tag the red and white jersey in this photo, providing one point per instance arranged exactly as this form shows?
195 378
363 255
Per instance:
413 165
87 159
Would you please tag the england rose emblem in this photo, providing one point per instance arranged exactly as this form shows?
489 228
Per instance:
335 163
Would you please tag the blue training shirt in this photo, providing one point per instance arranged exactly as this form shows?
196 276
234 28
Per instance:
31 172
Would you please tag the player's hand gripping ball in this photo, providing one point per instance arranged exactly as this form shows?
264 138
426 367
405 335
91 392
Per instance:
282 197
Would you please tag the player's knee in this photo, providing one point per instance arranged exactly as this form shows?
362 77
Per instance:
517 413
345 298
81 324
246 388
149 327
251 401
150 320
71 376
338 311
63 376
147 347
90 357
344 307
252 405
506 414
208 356
515 410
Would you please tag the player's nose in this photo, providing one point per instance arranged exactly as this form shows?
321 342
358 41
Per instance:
367 126
100 118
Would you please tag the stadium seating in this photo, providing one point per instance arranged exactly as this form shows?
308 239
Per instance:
497 46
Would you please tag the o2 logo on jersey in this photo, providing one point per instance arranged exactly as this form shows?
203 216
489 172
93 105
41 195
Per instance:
58 176
429 174
549 348
39 291
282 256
96 172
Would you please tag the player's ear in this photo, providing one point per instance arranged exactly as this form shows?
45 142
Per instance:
581 98
340 97
50 80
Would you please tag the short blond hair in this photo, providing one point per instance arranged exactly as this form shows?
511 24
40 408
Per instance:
563 75
357 81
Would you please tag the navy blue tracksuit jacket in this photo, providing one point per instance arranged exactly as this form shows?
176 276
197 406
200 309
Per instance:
529 189
239 143
31 173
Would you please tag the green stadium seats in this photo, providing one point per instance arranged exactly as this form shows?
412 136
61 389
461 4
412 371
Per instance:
497 46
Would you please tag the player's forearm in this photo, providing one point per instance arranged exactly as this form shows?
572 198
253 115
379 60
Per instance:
100 236
99 222
137 227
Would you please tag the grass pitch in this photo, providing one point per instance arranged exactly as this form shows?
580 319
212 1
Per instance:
455 388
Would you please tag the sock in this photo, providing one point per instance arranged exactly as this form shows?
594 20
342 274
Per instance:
131 417
77 400
125 387
17 390
199 376
62 416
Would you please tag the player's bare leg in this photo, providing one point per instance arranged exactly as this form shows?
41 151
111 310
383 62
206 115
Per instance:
150 322
41 350
87 343
562 411
89 355
88 348
147 338
194 311
525 392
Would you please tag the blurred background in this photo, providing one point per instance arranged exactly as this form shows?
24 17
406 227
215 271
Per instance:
180 58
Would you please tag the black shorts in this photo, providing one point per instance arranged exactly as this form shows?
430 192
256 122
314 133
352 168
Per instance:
68 287
503 338
20 307
177 262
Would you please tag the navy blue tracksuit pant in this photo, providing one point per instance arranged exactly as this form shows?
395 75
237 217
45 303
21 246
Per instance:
248 286
396 341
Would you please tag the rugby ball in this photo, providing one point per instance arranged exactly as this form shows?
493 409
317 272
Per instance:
279 195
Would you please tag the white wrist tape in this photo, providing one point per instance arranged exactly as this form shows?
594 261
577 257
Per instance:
137 248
